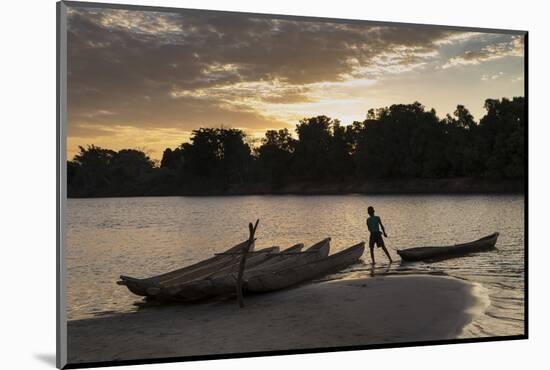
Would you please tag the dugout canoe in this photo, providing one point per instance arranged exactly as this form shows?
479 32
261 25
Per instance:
279 257
221 263
433 253
224 282
255 258
288 277
316 251
197 270
202 266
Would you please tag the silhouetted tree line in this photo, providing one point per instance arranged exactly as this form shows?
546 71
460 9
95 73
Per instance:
403 141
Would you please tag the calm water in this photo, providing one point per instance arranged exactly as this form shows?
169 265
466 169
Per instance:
146 236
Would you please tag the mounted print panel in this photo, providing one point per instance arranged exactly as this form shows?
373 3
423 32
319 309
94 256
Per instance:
236 184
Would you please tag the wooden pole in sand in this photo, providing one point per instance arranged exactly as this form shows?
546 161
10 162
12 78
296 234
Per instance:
246 249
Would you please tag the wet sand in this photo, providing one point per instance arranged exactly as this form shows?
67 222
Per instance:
386 309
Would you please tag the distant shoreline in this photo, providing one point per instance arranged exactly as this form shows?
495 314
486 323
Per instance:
450 186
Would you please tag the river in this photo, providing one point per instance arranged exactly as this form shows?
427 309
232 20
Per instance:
143 236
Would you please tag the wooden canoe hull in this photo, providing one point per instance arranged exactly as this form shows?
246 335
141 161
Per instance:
196 271
225 283
316 252
201 268
263 255
275 260
139 287
434 253
313 253
271 281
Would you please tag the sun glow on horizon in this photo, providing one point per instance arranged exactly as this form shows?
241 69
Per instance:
141 79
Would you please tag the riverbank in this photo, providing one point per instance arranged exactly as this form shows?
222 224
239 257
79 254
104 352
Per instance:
386 309
401 186
462 185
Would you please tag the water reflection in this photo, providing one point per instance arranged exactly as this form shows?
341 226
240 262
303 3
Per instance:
145 236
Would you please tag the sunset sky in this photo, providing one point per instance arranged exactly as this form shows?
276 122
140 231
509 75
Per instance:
146 79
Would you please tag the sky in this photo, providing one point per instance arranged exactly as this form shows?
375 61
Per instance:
145 80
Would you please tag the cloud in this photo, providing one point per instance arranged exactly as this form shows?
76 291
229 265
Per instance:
514 47
179 71
117 137
518 79
133 63
496 76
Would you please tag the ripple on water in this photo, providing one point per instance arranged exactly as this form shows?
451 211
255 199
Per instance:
145 236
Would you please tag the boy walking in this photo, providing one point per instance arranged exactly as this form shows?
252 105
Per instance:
374 223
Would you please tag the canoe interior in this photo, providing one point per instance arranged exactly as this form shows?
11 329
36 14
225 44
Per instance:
186 269
231 266
267 271
224 283
300 273
317 251
200 269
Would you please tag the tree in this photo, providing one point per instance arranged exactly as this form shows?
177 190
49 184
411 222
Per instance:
204 152
275 156
340 161
461 148
130 167
403 140
312 149
93 174
463 118
502 138
396 142
217 154
235 156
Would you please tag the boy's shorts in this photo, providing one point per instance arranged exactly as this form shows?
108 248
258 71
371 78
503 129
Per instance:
376 238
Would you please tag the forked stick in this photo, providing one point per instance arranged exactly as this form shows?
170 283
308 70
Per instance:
246 250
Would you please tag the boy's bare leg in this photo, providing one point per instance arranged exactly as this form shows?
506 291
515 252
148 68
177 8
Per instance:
372 255
387 253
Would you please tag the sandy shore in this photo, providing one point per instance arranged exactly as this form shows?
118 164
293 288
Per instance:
388 309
